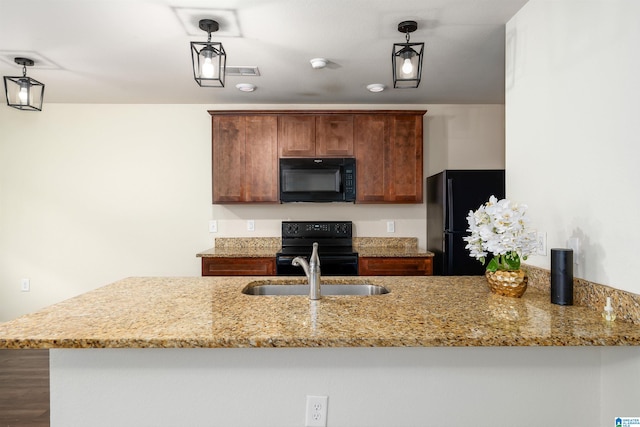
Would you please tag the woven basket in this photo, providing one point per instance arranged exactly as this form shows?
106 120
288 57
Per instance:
507 283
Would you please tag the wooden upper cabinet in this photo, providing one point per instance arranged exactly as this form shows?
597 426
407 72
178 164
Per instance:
313 135
371 142
389 153
297 135
406 164
244 158
334 135
387 145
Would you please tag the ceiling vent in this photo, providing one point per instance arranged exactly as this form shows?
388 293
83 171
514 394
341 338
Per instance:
242 71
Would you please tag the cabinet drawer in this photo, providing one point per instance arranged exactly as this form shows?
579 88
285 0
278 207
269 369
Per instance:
401 266
240 266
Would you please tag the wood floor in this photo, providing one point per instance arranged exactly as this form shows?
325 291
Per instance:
24 388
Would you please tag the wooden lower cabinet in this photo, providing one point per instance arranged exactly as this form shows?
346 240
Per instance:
367 266
395 266
238 266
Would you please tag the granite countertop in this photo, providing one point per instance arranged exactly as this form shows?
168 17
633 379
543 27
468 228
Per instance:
211 312
243 247
265 247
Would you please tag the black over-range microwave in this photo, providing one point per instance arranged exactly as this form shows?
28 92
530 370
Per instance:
317 180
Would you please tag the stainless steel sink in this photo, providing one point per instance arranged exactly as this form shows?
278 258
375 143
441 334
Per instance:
326 289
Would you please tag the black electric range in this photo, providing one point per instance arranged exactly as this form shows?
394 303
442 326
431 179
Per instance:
335 247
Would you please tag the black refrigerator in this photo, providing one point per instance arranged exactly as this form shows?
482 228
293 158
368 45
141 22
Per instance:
451 194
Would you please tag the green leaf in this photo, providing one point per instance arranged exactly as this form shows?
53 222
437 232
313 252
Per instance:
493 264
511 261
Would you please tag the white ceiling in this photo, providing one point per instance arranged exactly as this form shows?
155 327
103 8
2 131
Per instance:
137 51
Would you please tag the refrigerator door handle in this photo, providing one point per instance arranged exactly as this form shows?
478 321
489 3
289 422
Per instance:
449 225
448 267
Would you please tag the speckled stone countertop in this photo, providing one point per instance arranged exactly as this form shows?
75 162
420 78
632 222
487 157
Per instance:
265 247
212 312
251 247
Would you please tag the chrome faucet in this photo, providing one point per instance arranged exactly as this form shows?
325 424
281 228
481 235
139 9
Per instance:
312 271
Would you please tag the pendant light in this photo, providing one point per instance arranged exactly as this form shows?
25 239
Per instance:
407 59
209 59
22 92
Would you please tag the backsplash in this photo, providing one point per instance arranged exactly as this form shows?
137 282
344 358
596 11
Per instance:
247 242
626 305
406 243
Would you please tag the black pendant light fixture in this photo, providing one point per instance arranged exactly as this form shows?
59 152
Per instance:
407 59
24 93
209 58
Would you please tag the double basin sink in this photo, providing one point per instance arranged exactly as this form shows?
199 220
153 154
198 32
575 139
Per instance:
282 289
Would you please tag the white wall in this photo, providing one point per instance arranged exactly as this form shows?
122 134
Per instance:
467 386
572 129
571 150
464 138
93 193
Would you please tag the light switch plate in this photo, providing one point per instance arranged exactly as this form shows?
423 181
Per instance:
541 236
213 226
251 225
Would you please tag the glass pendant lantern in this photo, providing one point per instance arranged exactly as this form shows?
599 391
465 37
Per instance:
22 92
407 59
209 58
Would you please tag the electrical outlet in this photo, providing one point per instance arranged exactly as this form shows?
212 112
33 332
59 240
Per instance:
251 225
213 226
391 227
316 411
25 285
542 243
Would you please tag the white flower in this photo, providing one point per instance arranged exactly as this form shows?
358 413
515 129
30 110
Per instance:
499 227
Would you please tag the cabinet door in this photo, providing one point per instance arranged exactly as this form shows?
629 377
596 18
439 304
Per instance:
240 266
413 266
228 158
404 167
261 159
389 158
297 135
334 135
245 159
371 138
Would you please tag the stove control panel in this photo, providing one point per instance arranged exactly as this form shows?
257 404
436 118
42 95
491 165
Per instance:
338 229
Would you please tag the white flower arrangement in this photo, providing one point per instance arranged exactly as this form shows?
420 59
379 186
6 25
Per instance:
499 227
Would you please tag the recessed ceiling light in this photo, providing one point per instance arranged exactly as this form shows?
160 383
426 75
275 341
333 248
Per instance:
375 87
246 87
318 63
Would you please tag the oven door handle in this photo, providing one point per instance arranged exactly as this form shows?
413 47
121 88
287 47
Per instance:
287 258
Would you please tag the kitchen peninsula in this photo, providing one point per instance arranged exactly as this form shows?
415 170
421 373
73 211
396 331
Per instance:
154 349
